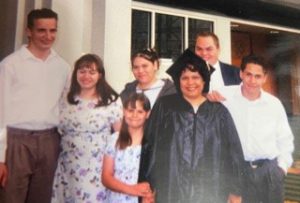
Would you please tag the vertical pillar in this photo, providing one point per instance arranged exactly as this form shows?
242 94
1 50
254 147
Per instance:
102 27
223 31
112 38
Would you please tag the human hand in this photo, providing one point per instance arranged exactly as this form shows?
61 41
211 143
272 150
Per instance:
283 172
215 96
150 198
142 189
232 198
3 174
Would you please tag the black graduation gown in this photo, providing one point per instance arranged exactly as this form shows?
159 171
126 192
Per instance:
191 157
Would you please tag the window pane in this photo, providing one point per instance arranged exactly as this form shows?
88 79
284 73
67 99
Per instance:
196 26
141 35
169 35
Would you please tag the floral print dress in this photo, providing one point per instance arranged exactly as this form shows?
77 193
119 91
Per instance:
126 168
85 131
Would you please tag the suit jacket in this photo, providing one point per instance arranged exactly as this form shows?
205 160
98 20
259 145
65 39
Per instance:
230 74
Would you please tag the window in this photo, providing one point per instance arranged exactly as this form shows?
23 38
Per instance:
172 33
141 33
169 35
196 26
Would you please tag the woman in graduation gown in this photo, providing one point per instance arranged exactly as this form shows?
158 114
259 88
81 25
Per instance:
191 150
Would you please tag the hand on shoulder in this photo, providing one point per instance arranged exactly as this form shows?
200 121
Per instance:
215 96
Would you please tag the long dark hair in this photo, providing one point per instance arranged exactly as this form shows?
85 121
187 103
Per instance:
104 90
124 139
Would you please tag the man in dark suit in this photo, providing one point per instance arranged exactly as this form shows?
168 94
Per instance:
208 48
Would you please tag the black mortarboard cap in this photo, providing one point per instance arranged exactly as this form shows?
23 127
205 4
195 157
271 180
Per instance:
188 57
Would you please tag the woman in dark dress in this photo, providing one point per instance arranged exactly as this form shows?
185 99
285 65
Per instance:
191 150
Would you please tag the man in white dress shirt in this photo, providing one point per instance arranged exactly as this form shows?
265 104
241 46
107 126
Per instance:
32 80
207 46
264 131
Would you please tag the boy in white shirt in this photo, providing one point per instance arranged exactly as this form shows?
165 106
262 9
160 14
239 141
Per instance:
264 131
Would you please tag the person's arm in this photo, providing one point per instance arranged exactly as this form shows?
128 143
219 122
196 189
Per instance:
234 155
117 126
215 96
151 131
223 94
3 167
3 144
117 113
3 174
285 141
109 181
4 85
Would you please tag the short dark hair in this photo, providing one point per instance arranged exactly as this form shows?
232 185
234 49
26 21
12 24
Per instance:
209 34
149 54
40 13
255 59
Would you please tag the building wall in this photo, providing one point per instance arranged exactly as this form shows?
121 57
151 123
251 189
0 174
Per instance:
98 26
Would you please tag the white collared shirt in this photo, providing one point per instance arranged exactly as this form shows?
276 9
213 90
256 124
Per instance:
30 89
216 79
262 126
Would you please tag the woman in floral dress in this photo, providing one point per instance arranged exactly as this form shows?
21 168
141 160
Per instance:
122 155
89 113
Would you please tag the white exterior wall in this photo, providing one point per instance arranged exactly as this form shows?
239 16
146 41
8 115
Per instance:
74 23
223 31
102 27
117 40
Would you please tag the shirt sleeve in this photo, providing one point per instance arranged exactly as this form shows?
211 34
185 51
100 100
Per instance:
235 159
3 145
149 143
5 81
110 148
116 111
285 140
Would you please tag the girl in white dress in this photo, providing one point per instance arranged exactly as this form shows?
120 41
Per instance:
122 155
